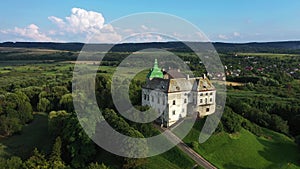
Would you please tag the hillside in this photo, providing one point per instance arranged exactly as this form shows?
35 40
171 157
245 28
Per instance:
268 47
245 150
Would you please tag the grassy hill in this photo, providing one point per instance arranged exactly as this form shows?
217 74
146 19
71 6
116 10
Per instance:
245 150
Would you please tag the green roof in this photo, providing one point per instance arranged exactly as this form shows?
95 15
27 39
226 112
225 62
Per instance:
155 71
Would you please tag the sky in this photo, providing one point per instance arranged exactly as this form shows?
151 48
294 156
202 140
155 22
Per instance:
79 20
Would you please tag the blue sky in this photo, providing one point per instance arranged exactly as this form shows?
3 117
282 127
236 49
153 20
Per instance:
227 21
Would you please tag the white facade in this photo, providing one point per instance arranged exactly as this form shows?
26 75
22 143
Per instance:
173 101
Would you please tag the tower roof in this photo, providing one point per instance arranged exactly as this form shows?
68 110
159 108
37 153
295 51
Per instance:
199 84
155 71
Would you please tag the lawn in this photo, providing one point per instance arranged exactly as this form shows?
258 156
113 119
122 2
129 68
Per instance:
33 135
245 150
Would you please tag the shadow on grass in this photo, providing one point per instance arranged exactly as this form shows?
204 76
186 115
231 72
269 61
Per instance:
281 152
33 135
234 166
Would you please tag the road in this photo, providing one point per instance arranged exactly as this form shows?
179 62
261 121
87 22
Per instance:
185 148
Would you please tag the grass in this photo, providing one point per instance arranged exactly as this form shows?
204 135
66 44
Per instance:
245 150
33 135
159 162
172 159
271 55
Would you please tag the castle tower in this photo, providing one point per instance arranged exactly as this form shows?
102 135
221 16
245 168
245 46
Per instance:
155 72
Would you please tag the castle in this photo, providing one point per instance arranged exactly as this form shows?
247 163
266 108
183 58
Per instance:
175 95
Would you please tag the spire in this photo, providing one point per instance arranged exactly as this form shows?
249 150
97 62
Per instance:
155 71
155 64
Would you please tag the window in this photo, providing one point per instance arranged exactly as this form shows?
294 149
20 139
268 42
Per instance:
205 100
201 100
148 97
164 101
201 94
174 102
184 100
207 109
210 99
145 96
182 110
206 94
152 98
173 112
158 100
211 93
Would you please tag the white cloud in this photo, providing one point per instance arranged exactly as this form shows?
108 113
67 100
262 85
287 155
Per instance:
3 31
223 37
236 34
144 27
87 25
29 33
144 37
57 21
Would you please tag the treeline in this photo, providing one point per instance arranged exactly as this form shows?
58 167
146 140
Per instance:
268 47
16 108
232 122
259 117
77 150
52 160
274 106
15 111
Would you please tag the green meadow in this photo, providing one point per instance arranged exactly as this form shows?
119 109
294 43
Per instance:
245 150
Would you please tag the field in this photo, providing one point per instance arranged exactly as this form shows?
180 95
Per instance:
228 83
269 55
245 150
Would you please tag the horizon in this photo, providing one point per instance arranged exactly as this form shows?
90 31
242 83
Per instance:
250 42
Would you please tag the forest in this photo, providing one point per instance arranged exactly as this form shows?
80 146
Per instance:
36 85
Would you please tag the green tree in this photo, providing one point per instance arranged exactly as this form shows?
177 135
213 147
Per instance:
55 158
278 124
14 163
36 161
17 105
56 120
11 163
9 126
131 148
231 121
97 166
43 105
32 93
66 103
80 148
